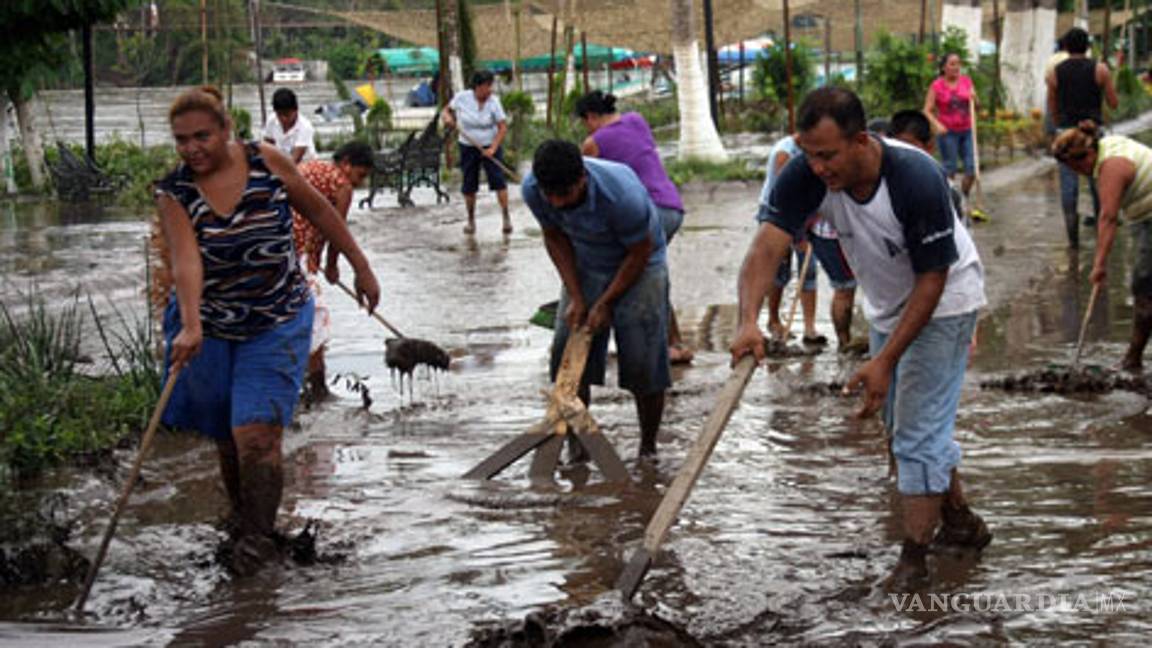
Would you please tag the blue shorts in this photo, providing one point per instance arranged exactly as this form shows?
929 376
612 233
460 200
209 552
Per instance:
955 147
471 159
923 397
784 271
827 251
231 383
640 324
671 219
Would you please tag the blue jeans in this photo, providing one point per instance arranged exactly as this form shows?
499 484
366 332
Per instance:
1070 197
956 146
923 397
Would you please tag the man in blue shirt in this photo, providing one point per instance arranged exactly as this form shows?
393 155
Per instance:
606 240
923 284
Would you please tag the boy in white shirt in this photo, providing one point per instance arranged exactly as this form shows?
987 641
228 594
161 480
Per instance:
288 130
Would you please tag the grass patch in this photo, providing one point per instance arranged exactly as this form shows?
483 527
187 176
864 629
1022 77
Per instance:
736 169
50 410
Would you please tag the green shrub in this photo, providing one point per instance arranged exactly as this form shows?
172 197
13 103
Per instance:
49 410
896 75
241 123
770 75
378 121
738 169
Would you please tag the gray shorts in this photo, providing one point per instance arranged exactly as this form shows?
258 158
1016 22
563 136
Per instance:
640 325
1141 232
671 219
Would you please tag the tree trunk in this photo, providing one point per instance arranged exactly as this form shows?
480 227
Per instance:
965 15
1081 19
7 167
30 140
1029 31
698 136
451 17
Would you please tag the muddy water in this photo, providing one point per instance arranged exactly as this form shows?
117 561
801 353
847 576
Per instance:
783 540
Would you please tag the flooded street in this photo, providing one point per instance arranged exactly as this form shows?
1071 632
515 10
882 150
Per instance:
784 540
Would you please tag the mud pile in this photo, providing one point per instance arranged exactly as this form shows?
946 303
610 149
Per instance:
606 623
33 546
1059 379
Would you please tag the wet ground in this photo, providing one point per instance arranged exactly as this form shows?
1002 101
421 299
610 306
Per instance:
783 541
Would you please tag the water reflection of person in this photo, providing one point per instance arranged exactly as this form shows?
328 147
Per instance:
923 285
239 321
1122 168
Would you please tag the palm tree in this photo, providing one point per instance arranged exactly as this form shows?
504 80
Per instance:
1029 39
966 16
698 136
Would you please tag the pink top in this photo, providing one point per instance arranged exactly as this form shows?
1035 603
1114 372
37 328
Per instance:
952 103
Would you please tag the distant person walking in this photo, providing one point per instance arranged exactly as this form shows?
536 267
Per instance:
288 130
627 139
480 118
948 105
1077 88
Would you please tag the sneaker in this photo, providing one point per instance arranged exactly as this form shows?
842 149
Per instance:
980 216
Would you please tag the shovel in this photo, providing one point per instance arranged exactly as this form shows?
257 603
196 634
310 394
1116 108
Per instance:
133 476
404 353
978 212
512 175
665 515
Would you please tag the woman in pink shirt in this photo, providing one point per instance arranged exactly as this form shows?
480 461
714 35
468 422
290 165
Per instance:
948 106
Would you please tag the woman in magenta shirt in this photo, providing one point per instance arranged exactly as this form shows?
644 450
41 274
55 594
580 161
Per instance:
627 139
948 106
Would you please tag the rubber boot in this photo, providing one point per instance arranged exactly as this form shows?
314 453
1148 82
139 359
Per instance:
1141 330
921 515
961 529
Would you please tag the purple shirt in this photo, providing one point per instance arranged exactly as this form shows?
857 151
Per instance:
629 141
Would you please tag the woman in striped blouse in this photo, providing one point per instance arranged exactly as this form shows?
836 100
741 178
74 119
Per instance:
1122 168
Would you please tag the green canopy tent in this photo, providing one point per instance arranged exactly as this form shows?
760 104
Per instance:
417 61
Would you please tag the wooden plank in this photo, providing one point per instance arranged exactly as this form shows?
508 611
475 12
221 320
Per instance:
673 501
509 453
604 456
547 457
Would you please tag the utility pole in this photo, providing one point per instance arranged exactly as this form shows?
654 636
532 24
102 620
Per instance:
827 50
859 46
788 69
257 43
89 95
204 41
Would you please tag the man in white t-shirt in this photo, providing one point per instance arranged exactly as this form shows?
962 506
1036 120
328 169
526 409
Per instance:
923 284
288 130
482 124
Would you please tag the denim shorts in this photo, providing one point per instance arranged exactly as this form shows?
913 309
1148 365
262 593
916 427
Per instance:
671 219
920 411
640 324
956 146
471 159
827 251
784 271
233 383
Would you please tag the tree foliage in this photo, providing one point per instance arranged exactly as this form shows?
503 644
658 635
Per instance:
896 75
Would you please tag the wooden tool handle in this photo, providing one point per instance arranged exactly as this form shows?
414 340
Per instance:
512 175
1084 323
378 316
726 402
799 289
133 476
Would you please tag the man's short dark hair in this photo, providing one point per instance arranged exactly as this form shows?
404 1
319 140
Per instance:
839 104
1075 41
284 99
557 166
480 77
355 153
913 123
